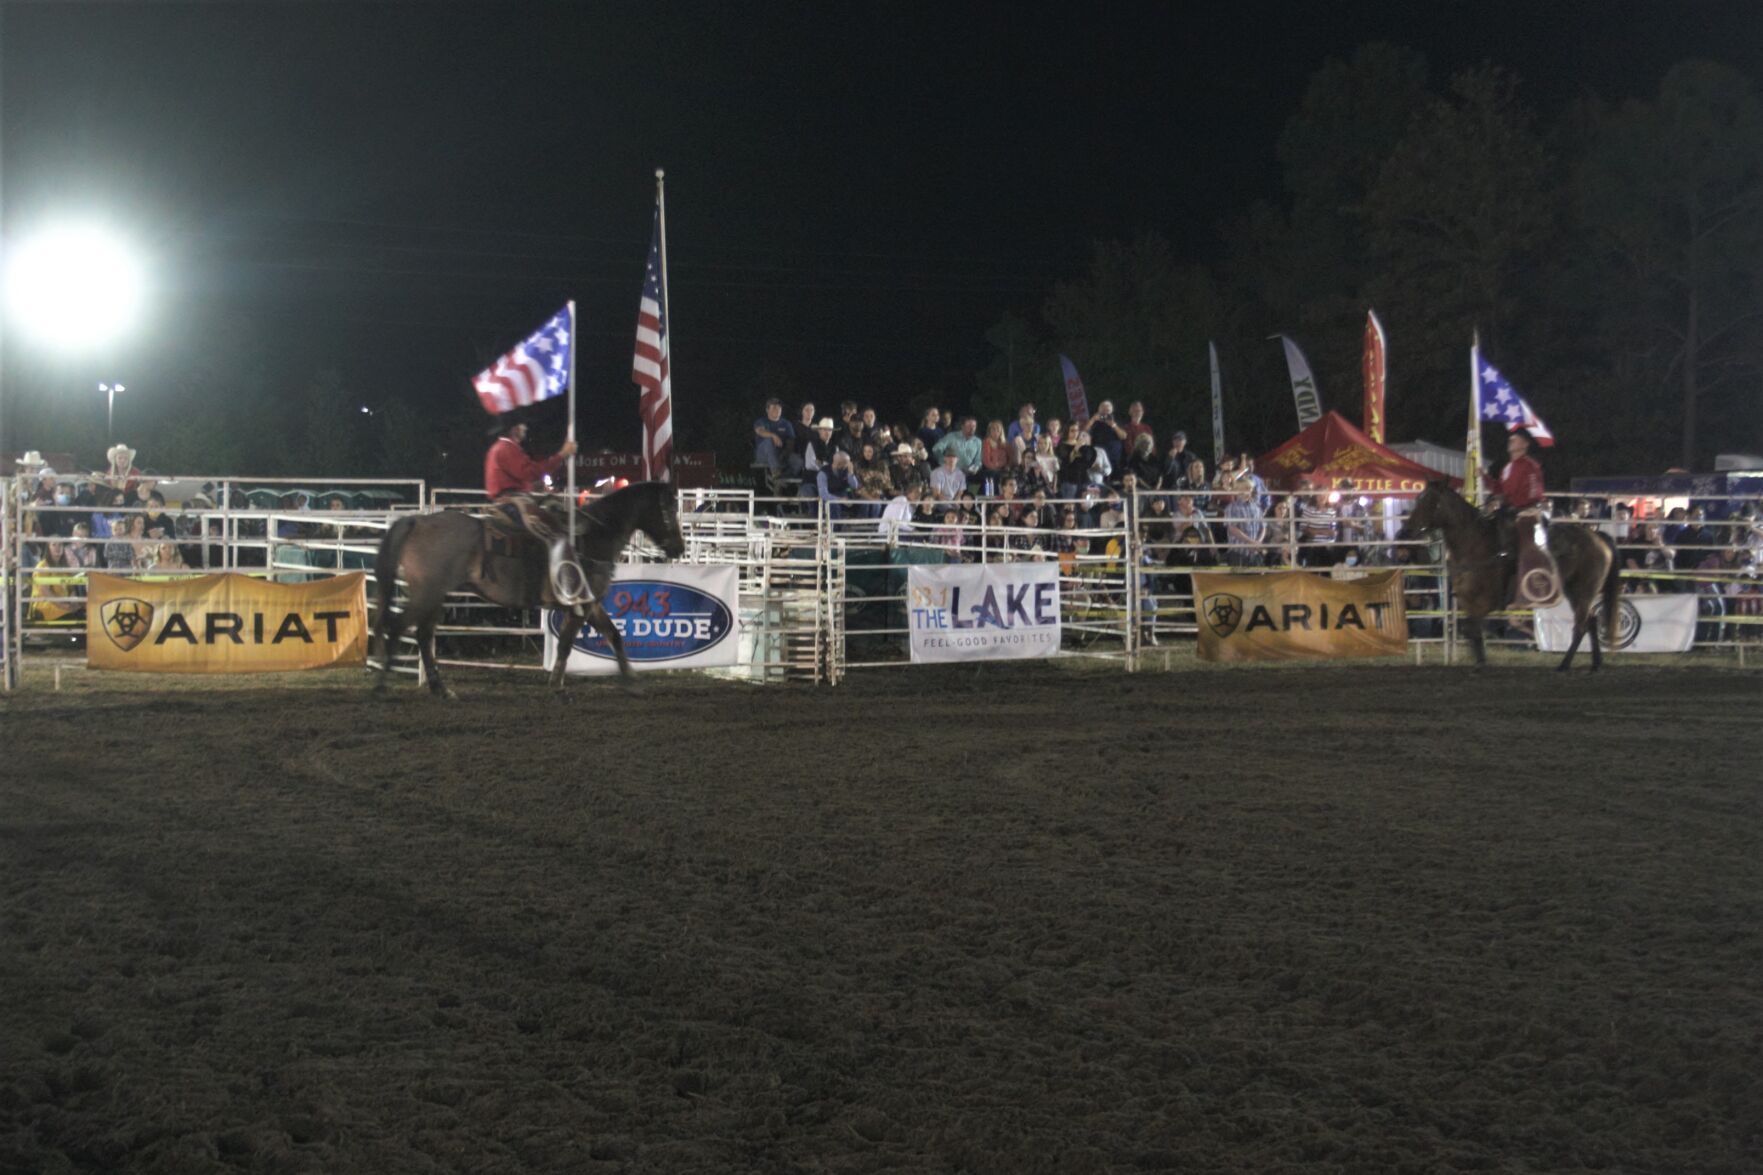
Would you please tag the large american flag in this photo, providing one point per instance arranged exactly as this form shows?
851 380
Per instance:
649 366
537 369
1501 401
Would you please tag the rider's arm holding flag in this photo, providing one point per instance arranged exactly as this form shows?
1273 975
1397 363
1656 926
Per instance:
508 469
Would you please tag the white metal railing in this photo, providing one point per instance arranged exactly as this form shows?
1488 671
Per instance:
822 588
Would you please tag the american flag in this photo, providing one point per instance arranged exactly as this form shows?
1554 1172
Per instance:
649 366
1500 401
537 369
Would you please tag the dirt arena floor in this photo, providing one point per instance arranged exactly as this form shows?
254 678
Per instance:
1012 919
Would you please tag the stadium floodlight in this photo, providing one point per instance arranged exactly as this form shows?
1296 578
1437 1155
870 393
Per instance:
74 286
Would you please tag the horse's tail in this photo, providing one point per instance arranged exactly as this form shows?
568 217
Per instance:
385 566
1610 592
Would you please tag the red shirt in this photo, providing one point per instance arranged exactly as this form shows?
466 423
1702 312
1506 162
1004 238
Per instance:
508 470
1521 483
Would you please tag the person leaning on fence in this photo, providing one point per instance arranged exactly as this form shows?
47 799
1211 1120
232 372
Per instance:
1318 527
1244 527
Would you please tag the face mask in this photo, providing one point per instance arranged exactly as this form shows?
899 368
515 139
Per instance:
63 499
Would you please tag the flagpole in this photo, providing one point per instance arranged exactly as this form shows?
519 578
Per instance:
1472 448
666 307
574 345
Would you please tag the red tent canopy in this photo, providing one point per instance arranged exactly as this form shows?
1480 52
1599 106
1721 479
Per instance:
1335 455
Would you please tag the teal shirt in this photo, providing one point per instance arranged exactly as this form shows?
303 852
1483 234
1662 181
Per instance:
966 450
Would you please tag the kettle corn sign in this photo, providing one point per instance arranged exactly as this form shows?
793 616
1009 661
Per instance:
1291 614
225 624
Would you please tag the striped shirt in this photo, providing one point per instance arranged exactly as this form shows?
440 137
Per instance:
1316 524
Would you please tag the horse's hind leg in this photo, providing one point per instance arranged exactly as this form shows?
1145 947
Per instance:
1579 631
425 640
1476 641
391 627
572 624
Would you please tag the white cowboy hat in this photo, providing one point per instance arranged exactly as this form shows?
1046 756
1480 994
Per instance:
127 454
32 460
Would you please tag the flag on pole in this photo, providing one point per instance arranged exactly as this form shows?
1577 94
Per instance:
1304 392
537 369
1374 363
1077 405
1217 407
649 366
1500 401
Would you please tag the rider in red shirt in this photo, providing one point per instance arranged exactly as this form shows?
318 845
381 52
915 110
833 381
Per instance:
1520 521
510 478
1521 482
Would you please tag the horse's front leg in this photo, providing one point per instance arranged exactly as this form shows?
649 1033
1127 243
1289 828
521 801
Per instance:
572 624
602 622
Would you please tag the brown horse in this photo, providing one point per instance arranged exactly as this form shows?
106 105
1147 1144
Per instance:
439 553
1484 582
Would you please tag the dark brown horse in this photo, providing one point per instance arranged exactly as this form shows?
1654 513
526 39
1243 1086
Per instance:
1484 582
439 553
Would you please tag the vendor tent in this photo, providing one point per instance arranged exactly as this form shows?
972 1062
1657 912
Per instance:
1333 454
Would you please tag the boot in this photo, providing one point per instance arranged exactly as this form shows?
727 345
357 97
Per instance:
568 582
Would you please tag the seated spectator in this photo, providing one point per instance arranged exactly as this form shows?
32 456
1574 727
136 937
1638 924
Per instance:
1054 431
802 432
1193 481
874 486
835 483
950 536
1033 478
1175 461
1191 536
817 454
121 553
996 532
1038 512
161 556
1077 464
850 441
1653 555
1146 469
1024 432
774 444
996 454
966 446
898 515
969 508
946 480
157 524
53 492
907 471
930 429
81 551
869 423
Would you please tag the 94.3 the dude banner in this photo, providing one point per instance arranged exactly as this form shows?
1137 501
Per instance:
225 624
1291 614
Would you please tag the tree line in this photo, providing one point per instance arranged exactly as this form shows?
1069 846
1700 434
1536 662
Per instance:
1611 258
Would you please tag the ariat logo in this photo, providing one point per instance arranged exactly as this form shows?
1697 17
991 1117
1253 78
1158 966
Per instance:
126 622
1223 613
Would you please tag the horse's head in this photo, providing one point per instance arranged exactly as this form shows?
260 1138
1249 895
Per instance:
659 519
1426 514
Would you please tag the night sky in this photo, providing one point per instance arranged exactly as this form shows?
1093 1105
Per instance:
854 192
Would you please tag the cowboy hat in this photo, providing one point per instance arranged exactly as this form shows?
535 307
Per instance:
127 454
30 461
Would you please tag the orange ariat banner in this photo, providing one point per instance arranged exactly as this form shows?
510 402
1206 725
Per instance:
225 624
1288 615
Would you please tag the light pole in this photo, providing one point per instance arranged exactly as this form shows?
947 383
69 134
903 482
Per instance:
110 391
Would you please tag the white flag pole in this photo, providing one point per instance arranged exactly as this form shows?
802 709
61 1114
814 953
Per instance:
574 344
666 314
1472 448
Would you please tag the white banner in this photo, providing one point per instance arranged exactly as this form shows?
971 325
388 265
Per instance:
670 616
1644 624
983 611
1304 393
